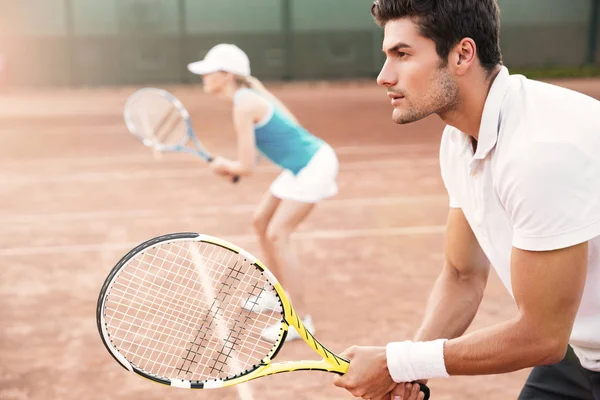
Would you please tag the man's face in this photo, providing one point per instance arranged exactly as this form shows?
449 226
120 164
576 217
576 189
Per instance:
417 80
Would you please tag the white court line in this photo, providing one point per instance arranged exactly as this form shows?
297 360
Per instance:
158 214
239 239
135 159
192 172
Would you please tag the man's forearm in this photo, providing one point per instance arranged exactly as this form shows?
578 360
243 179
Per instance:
452 305
506 347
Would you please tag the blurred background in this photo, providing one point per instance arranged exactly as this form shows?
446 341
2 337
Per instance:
116 42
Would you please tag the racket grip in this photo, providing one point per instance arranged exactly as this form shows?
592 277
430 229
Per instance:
425 390
235 179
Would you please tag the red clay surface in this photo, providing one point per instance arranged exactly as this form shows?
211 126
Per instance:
78 192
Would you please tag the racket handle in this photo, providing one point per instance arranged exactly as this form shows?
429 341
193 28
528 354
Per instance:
425 390
235 179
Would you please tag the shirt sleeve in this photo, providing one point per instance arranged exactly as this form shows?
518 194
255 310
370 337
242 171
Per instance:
453 202
551 192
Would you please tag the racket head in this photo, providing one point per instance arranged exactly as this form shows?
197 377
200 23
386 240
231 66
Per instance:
160 121
174 310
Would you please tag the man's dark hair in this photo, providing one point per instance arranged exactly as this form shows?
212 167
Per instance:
447 22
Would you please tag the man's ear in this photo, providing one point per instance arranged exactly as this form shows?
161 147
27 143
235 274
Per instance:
462 56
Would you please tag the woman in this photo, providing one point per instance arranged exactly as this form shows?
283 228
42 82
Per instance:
310 167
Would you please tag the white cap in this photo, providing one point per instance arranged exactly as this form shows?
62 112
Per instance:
223 57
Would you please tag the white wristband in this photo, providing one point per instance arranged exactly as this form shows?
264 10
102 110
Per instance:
410 361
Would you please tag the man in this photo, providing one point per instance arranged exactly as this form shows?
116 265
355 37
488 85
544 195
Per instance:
521 162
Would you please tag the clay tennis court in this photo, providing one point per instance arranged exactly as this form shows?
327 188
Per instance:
77 192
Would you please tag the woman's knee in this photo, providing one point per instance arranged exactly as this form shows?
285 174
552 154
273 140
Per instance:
260 223
277 235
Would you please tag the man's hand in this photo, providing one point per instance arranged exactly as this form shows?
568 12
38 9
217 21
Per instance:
368 376
407 391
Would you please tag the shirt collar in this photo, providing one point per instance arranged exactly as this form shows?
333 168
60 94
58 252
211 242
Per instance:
490 120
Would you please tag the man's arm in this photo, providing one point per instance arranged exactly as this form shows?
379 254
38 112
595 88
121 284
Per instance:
551 194
458 291
548 286
451 308
551 199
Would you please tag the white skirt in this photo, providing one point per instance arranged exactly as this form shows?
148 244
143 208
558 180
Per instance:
315 182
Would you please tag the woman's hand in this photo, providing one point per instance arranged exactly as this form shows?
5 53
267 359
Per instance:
221 166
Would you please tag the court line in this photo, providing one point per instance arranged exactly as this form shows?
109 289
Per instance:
238 239
192 172
134 159
210 210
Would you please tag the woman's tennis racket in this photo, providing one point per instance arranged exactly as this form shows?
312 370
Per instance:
178 310
160 121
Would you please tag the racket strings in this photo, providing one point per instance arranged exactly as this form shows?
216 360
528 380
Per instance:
176 311
167 128
157 120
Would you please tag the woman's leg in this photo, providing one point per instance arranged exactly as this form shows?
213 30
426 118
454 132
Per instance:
287 217
262 217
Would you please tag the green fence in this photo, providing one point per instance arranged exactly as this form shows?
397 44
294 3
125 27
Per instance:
94 42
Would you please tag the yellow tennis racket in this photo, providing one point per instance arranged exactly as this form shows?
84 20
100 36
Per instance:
182 310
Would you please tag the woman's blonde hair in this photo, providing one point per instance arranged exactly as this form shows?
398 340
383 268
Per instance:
255 84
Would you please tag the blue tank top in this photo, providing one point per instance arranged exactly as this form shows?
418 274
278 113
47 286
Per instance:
282 140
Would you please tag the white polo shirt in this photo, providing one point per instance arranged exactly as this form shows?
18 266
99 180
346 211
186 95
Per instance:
533 183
